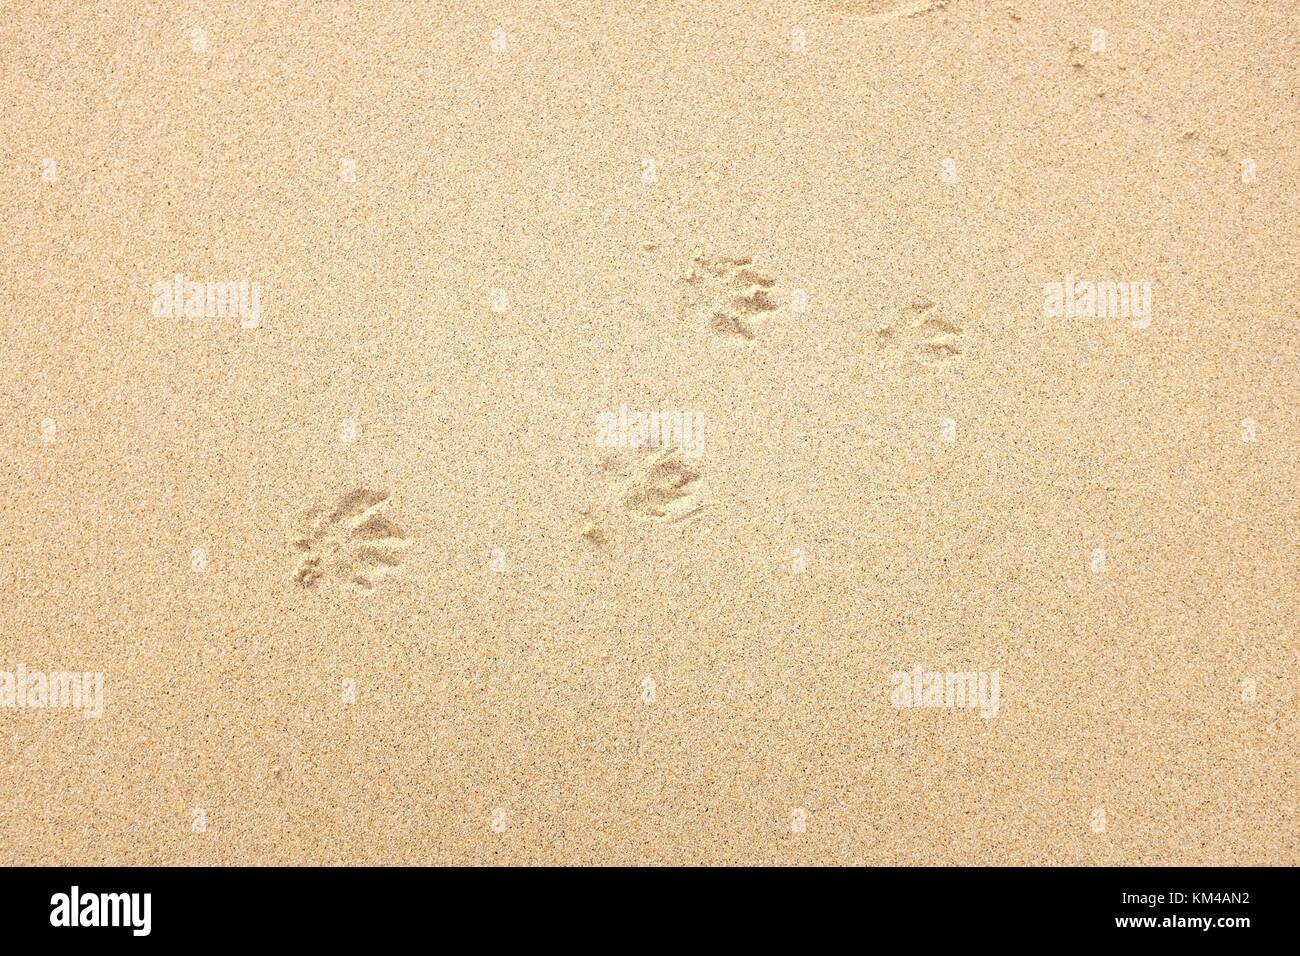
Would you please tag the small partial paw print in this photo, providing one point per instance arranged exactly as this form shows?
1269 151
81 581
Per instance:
352 543
659 485
663 487
921 335
730 294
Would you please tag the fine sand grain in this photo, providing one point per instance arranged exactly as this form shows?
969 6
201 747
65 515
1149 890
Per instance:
335 336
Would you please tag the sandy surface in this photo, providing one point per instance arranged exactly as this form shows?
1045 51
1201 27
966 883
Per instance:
364 585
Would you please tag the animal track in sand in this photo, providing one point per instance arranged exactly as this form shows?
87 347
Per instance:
659 485
730 294
352 543
920 335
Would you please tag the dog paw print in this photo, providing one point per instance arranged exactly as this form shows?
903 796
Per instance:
921 335
661 485
664 487
353 543
730 294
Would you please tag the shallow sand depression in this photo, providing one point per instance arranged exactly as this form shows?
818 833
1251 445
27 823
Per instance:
813 433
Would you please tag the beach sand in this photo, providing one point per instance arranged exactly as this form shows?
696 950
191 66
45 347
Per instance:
362 576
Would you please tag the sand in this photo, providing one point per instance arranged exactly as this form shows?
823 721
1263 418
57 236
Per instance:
359 537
